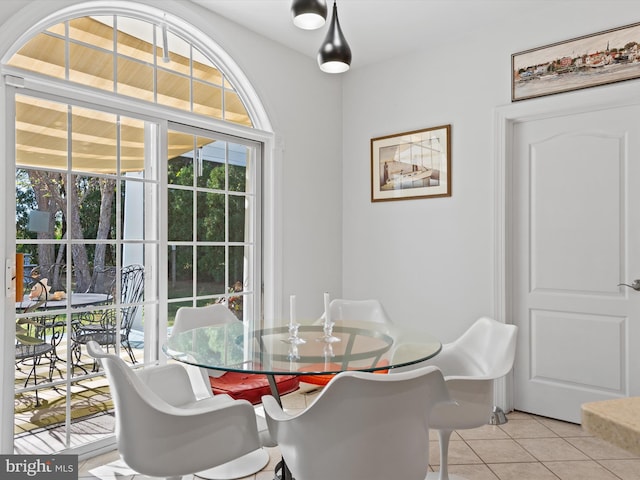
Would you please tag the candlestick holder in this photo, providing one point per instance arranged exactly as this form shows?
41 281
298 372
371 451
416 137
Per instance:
327 351
328 336
293 351
294 339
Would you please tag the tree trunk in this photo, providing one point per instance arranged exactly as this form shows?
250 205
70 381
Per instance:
107 194
45 187
52 195
78 250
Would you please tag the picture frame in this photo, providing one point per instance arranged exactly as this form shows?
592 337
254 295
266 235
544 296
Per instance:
411 165
592 60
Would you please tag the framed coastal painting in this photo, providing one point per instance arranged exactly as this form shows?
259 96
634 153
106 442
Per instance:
413 164
597 59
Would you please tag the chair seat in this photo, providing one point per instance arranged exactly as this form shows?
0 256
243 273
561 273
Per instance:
251 386
103 338
323 379
28 351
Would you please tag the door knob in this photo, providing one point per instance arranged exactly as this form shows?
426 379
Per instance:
635 285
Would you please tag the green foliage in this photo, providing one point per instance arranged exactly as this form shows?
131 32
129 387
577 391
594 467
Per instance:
220 217
212 213
25 202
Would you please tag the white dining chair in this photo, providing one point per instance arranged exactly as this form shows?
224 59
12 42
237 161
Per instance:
163 431
189 318
361 426
241 385
470 364
370 310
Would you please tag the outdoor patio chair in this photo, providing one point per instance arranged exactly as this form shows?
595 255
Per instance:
106 330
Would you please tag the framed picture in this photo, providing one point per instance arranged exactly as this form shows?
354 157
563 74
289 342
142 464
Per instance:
596 59
411 165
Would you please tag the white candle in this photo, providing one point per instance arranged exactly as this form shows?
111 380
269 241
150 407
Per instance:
327 314
292 310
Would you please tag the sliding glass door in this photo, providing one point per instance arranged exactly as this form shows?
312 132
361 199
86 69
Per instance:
87 229
113 235
212 221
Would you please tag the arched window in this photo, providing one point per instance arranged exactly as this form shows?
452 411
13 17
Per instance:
135 58
153 163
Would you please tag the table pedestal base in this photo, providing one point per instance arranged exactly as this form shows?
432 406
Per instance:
241 467
282 472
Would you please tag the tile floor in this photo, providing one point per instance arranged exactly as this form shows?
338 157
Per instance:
527 447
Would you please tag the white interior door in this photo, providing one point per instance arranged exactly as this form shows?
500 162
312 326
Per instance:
576 236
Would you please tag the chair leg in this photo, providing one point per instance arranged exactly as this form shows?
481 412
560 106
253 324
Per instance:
443 438
127 346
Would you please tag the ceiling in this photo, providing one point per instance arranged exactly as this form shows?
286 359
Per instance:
379 30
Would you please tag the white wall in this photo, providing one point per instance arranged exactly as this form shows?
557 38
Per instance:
431 261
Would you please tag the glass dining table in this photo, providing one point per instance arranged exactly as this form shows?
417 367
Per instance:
356 345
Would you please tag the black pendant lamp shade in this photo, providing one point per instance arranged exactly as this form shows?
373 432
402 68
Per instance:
334 55
309 14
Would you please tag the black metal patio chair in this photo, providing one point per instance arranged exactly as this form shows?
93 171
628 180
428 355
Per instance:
106 329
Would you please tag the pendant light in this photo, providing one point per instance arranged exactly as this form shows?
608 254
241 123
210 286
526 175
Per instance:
334 55
309 14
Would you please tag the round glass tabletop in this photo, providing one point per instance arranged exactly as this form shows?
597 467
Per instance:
358 345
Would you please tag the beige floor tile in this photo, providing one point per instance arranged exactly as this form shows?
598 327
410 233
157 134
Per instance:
625 469
522 471
536 453
85 465
472 472
519 415
564 429
551 449
110 470
433 435
309 392
292 401
600 449
526 428
459 454
500 451
487 432
580 470
274 457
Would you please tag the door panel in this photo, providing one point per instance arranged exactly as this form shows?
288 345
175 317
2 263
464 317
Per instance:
575 213
575 238
86 176
591 338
